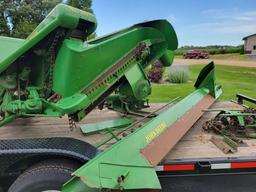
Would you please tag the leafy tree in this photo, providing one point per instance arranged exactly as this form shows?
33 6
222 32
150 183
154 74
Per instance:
18 18
3 25
81 4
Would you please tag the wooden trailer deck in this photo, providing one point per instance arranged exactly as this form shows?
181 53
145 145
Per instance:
194 145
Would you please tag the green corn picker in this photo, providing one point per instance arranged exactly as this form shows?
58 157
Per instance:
56 72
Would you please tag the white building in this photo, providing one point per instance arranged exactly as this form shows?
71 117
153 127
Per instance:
250 44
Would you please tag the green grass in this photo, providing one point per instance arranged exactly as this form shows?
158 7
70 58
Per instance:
231 56
232 79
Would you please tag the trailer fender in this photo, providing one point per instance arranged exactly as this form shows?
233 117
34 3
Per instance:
18 154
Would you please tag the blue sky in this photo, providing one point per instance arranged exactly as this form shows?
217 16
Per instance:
197 22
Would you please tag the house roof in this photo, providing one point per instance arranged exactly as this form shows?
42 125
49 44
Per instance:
249 36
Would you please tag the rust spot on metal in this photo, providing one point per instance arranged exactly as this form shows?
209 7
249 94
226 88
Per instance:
160 146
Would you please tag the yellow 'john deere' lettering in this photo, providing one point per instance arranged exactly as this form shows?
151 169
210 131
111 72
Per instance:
156 132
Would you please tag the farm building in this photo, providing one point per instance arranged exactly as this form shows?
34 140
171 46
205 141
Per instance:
250 44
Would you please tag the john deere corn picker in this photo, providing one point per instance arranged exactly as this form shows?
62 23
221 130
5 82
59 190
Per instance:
57 72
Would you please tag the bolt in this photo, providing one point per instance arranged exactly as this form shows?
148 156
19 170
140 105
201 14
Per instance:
120 179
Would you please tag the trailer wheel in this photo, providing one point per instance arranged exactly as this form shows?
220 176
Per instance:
45 176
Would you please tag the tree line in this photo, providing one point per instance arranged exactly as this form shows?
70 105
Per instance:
192 47
18 18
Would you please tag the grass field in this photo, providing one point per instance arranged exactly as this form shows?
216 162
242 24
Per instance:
232 79
230 56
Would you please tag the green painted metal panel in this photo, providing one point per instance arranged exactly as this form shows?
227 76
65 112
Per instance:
8 46
96 57
106 125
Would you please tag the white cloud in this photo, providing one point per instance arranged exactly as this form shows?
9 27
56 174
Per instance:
230 21
237 29
212 11
250 13
244 18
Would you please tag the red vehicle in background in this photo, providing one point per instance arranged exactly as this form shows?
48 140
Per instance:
193 54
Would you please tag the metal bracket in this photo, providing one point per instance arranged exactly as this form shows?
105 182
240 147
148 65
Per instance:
106 125
222 145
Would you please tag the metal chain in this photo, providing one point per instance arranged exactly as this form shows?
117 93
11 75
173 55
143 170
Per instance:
52 57
71 122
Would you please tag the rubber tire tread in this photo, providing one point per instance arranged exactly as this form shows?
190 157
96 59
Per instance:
46 175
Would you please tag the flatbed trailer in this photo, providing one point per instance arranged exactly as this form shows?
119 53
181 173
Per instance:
194 164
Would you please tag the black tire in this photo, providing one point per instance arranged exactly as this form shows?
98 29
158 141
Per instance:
47 175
